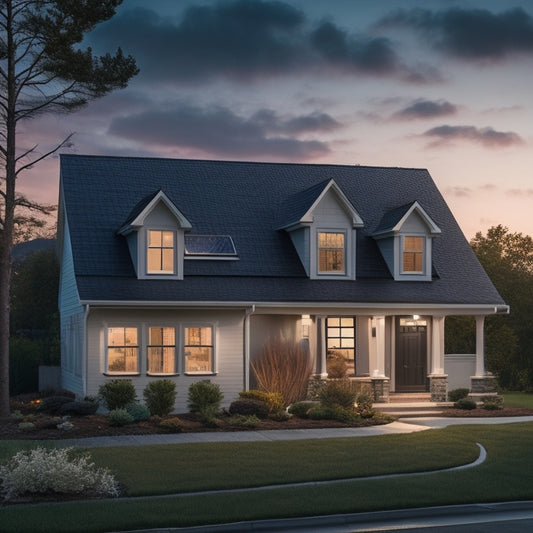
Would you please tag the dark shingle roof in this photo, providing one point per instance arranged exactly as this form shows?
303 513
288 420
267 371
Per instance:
248 201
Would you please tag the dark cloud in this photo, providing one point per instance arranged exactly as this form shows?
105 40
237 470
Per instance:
218 130
485 136
470 33
245 40
426 109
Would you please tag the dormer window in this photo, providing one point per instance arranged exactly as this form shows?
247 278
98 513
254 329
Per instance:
161 254
331 252
413 255
404 238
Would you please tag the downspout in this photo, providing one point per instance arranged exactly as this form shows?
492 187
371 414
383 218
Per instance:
85 358
246 347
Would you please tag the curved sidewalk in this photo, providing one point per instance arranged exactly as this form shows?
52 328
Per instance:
404 425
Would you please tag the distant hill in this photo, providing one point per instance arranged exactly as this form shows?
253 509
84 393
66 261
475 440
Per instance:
23 249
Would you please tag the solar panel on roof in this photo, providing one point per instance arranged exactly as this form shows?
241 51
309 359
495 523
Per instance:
209 245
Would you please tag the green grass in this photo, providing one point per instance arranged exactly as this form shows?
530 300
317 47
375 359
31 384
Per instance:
504 476
518 399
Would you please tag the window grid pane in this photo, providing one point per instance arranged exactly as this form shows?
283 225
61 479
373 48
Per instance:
161 350
198 349
160 252
122 350
331 253
413 254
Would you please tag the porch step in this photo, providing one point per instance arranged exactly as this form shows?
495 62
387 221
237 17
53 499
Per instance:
409 397
407 406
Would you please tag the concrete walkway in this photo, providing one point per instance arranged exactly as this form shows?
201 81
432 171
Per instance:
404 425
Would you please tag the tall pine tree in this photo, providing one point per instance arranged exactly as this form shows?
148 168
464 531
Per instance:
43 69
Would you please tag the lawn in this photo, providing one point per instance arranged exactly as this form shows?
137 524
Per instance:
155 470
518 399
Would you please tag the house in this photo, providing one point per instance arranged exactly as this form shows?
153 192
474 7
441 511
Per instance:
184 269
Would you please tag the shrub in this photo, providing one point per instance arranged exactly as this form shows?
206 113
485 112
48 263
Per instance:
301 409
204 399
279 416
274 400
173 424
245 421
160 396
339 393
492 403
138 411
78 408
364 406
53 404
332 413
27 426
117 393
249 407
457 394
465 403
336 365
120 417
283 366
42 471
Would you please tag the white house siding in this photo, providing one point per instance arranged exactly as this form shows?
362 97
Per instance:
228 329
459 368
71 321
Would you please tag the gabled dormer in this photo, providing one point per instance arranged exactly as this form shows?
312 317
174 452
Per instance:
322 224
404 237
155 232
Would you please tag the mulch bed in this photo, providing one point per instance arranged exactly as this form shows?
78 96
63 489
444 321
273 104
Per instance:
98 425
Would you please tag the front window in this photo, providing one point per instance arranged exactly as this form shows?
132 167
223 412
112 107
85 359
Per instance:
198 350
161 350
160 253
331 253
340 332
413 254
122 350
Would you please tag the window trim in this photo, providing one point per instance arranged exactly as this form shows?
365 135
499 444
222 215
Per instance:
139 346
184 346
148 346
332 273
422 254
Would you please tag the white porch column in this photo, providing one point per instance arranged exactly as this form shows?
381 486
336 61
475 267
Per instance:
322 345
480 346
437 346
379 360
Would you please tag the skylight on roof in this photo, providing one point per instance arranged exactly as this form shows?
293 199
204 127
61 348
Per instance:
209 245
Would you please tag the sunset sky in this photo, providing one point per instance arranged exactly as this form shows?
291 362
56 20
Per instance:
433 84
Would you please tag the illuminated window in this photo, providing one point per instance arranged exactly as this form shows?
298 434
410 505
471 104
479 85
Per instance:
198 350
122 350
331 253
161 350
413 254
160 257
340 339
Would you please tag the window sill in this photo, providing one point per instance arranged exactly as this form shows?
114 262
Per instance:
200 373
161 375
121 374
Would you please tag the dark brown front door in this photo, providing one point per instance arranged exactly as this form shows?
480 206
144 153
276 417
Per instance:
411 354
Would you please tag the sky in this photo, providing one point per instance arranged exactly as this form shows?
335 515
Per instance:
434 84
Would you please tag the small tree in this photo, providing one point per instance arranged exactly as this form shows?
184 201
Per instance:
43 69
283 366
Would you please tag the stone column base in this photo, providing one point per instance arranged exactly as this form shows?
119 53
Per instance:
438 387
315 384
484 385
380 389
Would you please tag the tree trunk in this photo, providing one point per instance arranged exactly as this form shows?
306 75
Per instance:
9 212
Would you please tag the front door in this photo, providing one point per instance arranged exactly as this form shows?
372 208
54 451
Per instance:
411 354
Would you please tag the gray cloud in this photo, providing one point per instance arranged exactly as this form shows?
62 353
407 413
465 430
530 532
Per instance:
485 136
220 131
426 109
243 40
470 33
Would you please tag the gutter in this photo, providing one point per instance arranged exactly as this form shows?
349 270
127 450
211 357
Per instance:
246 347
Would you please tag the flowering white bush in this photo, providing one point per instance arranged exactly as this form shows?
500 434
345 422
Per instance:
41 471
